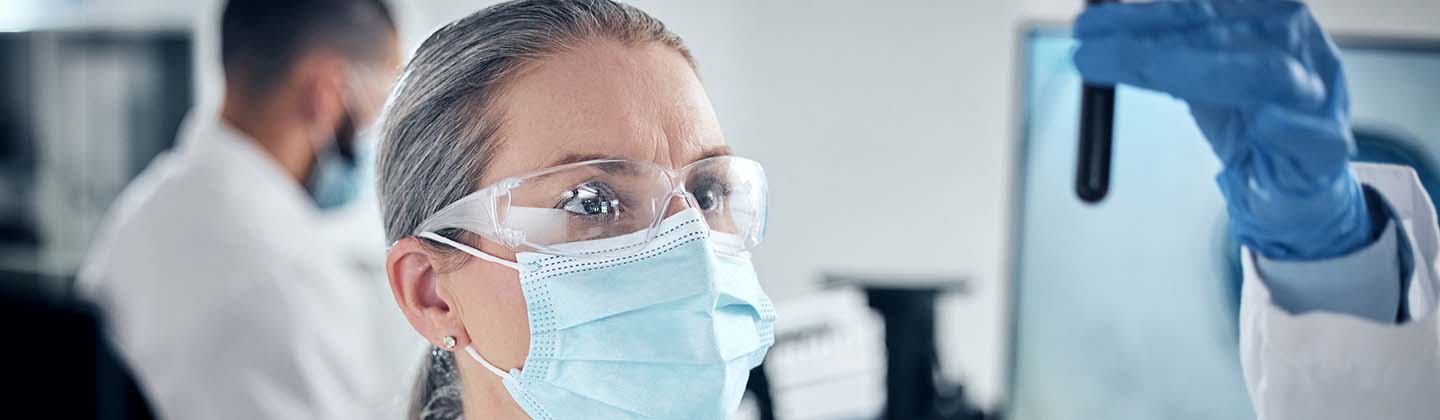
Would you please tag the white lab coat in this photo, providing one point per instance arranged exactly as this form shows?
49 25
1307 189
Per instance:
1319 365
228 298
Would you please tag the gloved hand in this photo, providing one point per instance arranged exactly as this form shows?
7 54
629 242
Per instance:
1265 86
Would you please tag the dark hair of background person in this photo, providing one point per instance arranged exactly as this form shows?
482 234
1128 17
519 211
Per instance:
261 40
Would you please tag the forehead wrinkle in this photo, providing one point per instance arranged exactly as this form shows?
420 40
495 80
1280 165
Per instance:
682 127
650 109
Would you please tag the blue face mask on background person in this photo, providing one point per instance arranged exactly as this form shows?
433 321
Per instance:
668 332
335 179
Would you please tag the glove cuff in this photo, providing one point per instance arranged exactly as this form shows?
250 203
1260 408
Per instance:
1291 225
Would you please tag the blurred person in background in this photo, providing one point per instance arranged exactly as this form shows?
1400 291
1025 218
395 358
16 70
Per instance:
220 291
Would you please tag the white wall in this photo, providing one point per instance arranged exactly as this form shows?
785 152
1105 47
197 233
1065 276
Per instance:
887 129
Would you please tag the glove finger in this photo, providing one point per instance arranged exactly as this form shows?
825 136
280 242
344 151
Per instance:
1218 25
1169 16
1240 75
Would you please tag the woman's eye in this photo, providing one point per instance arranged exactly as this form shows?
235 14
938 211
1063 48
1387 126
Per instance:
710 194
590 199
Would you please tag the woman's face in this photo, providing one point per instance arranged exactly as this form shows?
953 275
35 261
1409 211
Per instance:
600 100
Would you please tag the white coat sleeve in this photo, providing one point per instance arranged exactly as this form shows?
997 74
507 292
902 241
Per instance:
1321 364
1364 283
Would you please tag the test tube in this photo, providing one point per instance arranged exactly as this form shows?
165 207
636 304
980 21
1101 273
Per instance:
1097 123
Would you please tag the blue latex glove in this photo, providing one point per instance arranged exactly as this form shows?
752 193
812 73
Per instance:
1265 86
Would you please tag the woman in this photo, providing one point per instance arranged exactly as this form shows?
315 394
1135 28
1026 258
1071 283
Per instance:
566 214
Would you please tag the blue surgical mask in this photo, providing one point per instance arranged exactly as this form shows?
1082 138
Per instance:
336 178
668 332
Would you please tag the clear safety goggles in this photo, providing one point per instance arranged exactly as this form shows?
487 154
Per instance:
558 210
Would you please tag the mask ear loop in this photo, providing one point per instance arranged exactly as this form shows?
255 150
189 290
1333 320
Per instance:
470 350
472 251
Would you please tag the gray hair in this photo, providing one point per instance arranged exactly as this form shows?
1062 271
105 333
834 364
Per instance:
440 131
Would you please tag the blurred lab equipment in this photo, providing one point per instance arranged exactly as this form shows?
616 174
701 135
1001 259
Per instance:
60 366
914 385
1140 322
81 113
868 339
1385 145
1097 122
829 344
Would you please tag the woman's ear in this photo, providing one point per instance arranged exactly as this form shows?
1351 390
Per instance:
413 273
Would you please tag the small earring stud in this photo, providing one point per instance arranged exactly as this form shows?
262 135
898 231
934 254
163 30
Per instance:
449 342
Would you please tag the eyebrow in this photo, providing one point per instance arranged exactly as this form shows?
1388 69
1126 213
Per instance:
583 157
714 151
709 152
